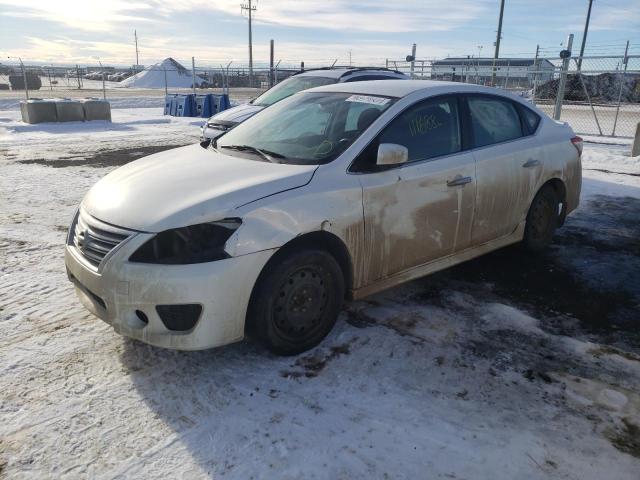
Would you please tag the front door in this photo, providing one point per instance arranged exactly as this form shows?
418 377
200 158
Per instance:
422 210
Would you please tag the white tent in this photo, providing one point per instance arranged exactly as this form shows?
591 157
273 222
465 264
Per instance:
154 77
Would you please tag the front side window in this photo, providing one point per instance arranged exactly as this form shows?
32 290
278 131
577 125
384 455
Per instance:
307 129
429 129
288 87
493 120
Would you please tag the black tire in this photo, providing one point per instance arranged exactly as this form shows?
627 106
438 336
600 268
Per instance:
542 219
296 301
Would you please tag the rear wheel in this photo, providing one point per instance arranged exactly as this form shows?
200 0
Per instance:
542 219
296 301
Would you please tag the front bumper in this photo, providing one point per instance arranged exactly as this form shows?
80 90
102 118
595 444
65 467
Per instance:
118 288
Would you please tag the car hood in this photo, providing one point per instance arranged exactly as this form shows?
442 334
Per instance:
236 114
185 186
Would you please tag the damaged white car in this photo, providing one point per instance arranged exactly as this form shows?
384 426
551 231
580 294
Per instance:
334 193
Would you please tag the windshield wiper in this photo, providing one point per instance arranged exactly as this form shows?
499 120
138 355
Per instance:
266 154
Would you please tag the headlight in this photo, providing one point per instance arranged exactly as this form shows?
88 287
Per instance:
194 244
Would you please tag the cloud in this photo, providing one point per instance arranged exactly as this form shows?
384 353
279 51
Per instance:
372 15
88 15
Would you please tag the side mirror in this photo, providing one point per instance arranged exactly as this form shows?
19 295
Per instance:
392 154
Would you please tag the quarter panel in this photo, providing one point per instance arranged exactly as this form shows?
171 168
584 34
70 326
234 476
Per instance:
332 202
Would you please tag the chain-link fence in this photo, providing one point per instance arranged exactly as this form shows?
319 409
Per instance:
118 85
601 93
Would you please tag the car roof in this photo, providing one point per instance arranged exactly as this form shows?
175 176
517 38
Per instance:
402 88
338 72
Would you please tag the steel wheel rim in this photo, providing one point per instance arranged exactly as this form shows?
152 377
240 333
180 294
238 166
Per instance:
300 303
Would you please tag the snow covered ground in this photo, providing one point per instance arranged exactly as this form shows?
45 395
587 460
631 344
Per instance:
508 366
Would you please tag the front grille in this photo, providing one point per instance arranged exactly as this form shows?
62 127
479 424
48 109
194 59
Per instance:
95 239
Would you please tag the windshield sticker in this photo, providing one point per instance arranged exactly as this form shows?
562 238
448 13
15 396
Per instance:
368 99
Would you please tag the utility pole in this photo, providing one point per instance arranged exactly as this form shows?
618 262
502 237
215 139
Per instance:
271 63
250 8
497 51
135 35
349 57
584 35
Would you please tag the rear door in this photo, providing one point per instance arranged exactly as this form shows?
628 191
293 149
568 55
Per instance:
500 154
422 210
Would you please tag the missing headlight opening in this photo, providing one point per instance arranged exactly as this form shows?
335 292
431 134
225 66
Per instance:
186 245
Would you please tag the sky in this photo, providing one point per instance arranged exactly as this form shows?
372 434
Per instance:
317 32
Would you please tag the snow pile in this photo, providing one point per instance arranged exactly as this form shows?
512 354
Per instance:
154 77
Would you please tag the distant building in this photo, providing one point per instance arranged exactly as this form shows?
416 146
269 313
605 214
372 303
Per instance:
515 72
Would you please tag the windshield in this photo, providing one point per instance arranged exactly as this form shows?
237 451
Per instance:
288 87
307 129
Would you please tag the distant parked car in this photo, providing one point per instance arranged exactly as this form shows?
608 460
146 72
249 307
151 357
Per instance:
336 192
223 121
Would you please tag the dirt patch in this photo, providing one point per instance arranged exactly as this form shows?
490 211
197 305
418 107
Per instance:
313 364
609 350
103 158
626 439
401 324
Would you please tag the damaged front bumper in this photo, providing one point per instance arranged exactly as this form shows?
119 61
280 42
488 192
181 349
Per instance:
127 295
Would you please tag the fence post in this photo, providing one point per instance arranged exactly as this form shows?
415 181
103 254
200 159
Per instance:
413 61
193 74
166 92
506 79
563 79
625 60
535 74
24 79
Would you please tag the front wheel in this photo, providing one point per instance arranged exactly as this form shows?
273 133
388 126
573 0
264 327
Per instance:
542 219
296 301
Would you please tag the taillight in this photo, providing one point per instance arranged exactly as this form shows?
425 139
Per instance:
577 142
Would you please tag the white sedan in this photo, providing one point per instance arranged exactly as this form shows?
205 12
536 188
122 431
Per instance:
334 193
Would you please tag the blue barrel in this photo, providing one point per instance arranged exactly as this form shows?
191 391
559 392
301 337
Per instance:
168 99
203 104
220 102
185 105
173 108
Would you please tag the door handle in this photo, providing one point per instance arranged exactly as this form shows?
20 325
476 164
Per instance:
459 180
531 163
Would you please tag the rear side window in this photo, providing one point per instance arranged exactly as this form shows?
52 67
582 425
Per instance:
493 120
429 129
530 119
